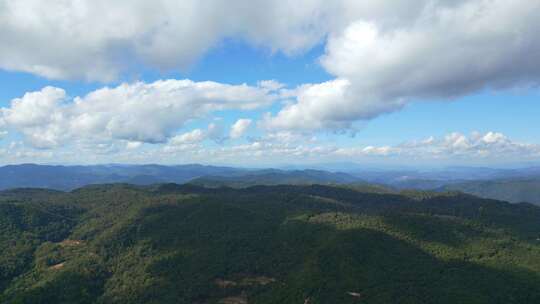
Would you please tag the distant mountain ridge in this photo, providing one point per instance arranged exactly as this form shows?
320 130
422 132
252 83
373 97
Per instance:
277 177
72 177
510 190
513 185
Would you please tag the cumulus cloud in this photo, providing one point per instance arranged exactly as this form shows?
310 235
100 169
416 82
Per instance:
194 136
490 145
188 141
445 51
98 39
454 148
382 54
39 116
239 128
138 112
328 106
132 145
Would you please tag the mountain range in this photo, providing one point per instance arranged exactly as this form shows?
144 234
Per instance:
513 185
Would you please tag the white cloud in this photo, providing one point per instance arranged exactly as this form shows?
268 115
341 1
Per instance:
271 84
383 55
133 145
138 112
444 51
39 116
330 105
192 140
490 147
478 148
239 128
188 141
194 136
455 146
447 52
98 39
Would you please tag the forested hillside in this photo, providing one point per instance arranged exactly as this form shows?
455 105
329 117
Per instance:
271 177
266 244
512 190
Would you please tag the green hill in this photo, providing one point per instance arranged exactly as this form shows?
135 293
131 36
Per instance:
271 177
265 244
511 190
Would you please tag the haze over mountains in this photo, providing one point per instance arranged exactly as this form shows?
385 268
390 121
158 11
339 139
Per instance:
513 185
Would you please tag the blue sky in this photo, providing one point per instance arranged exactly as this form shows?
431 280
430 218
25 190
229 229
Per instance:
346 85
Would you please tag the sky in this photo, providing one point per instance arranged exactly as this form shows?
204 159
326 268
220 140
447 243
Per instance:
270 83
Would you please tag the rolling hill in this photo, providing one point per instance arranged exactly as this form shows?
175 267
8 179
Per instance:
511 190
172 243
276 177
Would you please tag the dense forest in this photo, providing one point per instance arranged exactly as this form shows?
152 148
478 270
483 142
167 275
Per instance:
312 244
